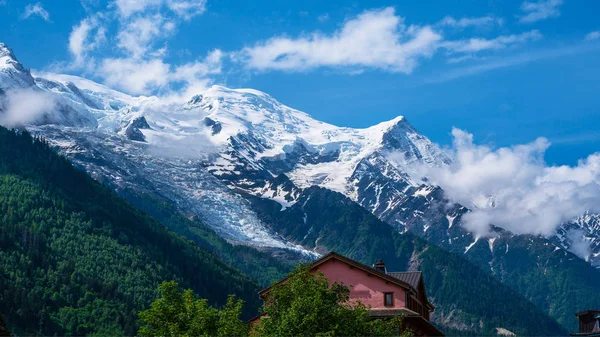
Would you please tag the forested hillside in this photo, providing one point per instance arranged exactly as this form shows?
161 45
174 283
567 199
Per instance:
467 300
75 259
260 266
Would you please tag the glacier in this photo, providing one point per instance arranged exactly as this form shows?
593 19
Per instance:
206 153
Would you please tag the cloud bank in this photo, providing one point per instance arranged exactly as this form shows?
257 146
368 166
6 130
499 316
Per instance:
24 106
513 188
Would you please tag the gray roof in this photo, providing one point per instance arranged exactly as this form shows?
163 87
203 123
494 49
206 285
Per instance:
411 277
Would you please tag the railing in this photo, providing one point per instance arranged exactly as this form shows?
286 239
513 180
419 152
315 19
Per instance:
416 306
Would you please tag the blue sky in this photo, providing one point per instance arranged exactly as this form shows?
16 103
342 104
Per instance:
506 71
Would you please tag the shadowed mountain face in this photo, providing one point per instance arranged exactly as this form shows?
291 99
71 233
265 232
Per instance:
207 156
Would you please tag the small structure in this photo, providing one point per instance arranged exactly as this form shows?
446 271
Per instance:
387 294
589 323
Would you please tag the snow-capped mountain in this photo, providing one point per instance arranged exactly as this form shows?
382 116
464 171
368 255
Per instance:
12 73
207 153
581 237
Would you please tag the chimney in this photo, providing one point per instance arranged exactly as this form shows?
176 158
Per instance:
379 265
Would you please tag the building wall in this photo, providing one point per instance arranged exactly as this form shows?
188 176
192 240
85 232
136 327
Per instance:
367 289
587 322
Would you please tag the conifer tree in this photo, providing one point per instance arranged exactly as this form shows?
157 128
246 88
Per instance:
3 328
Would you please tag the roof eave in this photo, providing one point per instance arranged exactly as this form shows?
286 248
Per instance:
350 262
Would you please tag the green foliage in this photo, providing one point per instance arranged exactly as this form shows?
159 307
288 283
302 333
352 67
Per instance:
178 313
307 305
229 323
75 259
3 328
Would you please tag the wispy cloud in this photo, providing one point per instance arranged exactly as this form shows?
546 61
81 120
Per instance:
36 10
376 39
462 58
478 44
186 9
579 138
593 36
484 21
539 10
86 36
513 60
324 17
137 36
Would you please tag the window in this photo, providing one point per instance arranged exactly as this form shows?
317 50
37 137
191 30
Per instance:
388 299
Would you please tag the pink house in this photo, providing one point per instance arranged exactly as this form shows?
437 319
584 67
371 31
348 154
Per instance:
387 294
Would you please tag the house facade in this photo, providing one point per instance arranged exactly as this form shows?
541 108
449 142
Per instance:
386 294
589 323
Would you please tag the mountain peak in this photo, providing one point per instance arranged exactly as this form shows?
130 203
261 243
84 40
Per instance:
391 124
12 72
7 57
5 50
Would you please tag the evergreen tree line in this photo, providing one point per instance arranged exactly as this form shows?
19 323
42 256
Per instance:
75 259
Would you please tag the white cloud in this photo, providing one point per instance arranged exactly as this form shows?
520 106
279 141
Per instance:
493 63
473 45
23 106
324 17
140 30
137 36
195 76
485 21
127 8
80 41
579 245
539 10
36 9
134 76
146 76
185 9
374 39
195 70
593 36
462 58
513 188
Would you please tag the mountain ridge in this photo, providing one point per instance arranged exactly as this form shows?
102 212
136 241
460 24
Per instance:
205 156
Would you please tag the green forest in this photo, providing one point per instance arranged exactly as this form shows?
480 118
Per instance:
76 259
